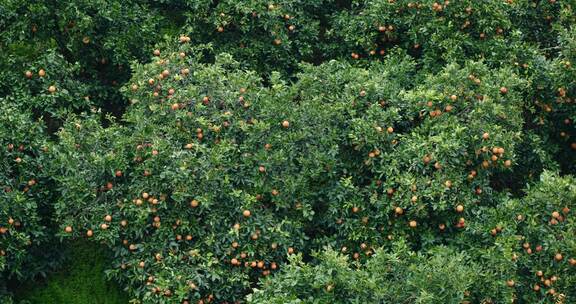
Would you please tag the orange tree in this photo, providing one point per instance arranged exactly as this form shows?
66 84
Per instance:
215 177
97 38
526 240
263 35
147 189
430 114
442 276
24 196
553 104
48 86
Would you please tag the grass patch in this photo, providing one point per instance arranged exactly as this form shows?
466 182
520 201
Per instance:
82 281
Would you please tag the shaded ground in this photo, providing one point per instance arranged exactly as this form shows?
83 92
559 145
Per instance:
82 281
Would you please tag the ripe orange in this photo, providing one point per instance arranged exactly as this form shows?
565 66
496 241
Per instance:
413 224
285 124
68 229
426 159
41 73
558 257
246 213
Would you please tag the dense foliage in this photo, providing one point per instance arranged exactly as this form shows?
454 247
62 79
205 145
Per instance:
294 151
24 189
532 232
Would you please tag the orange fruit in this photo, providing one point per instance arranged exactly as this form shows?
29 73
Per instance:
558 257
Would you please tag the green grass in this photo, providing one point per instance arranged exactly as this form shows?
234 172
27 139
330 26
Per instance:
82 281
